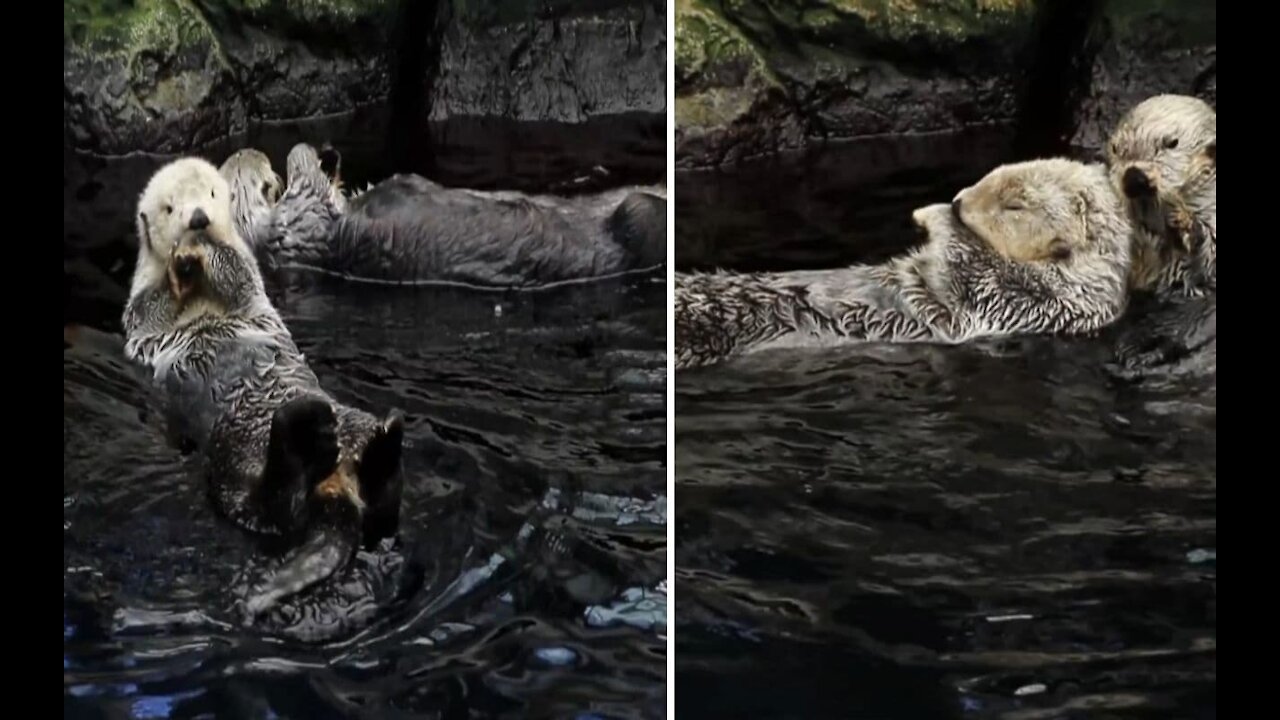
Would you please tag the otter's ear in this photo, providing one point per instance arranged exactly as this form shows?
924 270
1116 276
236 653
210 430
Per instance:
330 161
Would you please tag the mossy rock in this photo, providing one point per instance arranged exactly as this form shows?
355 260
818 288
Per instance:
825 69
169 76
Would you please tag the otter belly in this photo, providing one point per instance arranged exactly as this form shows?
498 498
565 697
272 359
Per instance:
407 231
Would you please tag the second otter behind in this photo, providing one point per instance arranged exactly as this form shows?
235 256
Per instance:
408 229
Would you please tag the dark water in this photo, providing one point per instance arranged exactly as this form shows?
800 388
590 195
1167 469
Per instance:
1010 529
532 552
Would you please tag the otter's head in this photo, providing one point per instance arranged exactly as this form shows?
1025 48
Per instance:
303 220
255 189
1045 211
186 196
1160 146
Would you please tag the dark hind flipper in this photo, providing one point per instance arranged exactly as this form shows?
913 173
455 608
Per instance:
330 162
302 451
381 481
639 225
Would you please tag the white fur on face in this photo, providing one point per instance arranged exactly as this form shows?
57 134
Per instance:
1162 136
1032 211
172 197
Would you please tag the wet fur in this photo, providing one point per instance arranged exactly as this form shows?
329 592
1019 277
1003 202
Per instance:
952 289
255 188
409 229
282 456
1172 140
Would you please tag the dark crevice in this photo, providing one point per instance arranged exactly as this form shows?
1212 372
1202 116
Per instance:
1059 74
417 43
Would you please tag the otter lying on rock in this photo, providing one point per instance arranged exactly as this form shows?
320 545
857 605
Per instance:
408 229
282 456
954 288
1163 160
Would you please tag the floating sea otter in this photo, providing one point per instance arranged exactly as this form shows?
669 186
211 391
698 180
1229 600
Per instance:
282 456
408 229
957 287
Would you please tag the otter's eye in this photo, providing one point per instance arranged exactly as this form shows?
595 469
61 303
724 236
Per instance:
1059 250
1015 205
1170 143
266 189
213 193
168 209
1115 148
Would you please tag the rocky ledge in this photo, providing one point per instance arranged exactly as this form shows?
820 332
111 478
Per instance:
170 76
755 77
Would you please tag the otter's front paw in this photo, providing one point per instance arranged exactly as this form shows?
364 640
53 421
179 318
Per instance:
186 267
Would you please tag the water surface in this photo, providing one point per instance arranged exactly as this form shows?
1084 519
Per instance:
1013 529
529 579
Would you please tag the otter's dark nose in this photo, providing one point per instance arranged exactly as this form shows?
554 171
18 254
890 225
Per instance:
955 207
1136 183
199 220
185 267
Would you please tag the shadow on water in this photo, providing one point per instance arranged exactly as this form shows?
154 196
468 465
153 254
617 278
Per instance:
1006 529
530 572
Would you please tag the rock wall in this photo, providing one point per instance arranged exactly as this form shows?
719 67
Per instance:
566 63
756 77
170 76
1139 48
167 76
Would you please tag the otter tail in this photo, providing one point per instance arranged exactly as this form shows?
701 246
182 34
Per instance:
639 225
326 549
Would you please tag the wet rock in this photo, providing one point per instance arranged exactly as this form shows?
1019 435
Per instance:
1140 49
757 77
164 76
760 76
557 61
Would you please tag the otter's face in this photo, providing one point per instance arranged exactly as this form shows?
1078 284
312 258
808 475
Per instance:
1028 212
1159 145
250 171
184 197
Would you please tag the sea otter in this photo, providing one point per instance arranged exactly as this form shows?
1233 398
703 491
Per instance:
255 189
282 456
954 288
408 229
1163 159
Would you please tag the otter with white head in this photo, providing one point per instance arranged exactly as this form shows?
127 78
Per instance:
1163 157
409 230
954 288
282 456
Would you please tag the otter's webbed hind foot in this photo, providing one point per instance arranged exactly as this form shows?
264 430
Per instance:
302 451
381 481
